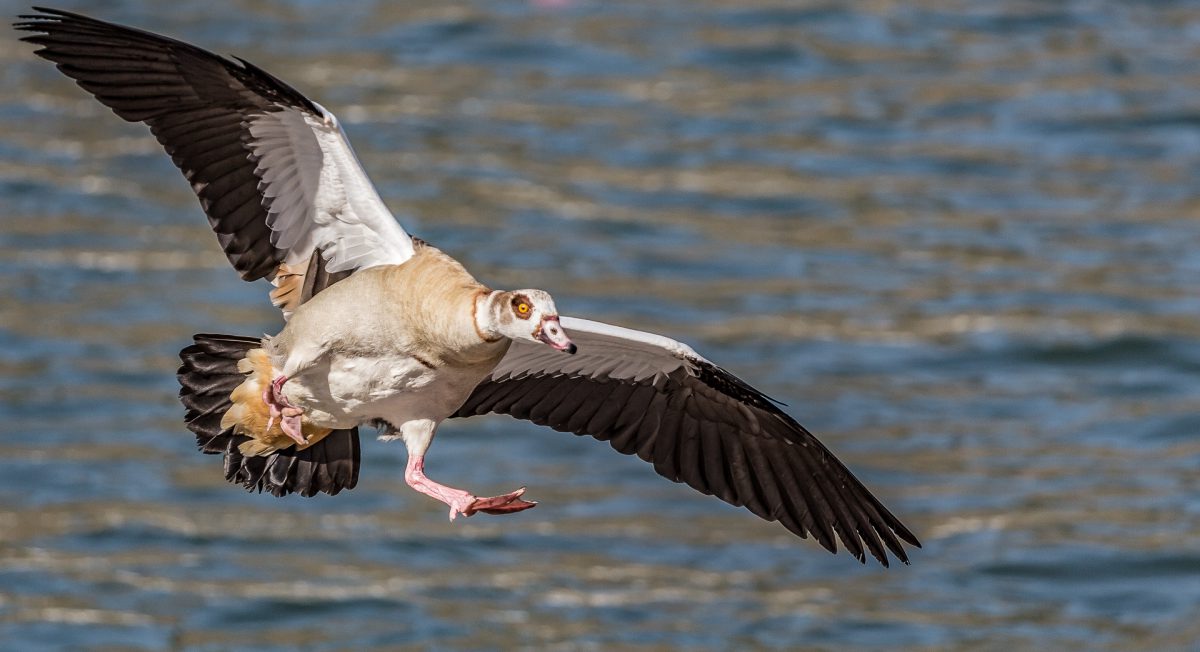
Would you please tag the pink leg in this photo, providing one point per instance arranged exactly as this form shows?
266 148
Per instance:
461 502
281 408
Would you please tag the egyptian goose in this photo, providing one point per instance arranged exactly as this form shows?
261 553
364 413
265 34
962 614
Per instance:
384 329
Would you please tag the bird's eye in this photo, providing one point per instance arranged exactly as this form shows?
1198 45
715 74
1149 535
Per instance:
523 308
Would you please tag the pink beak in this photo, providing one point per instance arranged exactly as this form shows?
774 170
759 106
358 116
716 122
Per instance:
551 332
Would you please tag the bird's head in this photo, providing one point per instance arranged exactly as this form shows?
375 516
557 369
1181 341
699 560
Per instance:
528 315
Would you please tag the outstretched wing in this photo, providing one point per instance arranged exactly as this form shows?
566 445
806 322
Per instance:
696 423
273 170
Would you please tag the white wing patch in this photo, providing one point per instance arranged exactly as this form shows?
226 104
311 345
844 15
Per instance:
677 349
603 350
320 197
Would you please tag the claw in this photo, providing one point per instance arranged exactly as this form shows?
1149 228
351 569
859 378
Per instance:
291 425
280 407
515 506
503 504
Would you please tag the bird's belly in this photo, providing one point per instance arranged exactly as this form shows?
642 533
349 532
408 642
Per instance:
350 390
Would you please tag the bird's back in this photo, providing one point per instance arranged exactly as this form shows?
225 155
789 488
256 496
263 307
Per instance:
424 306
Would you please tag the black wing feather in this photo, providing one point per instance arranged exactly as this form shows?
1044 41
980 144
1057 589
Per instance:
705 427
195 103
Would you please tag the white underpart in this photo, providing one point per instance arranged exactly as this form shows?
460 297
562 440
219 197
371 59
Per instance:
342 391
320 197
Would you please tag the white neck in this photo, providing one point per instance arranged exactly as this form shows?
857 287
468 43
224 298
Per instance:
487 317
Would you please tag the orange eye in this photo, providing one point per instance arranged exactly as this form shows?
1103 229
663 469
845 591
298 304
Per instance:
523 308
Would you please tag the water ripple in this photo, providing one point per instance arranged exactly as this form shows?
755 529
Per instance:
956 238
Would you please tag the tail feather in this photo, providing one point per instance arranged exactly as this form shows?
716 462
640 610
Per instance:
208 375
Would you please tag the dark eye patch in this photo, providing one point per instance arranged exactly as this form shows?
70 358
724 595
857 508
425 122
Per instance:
522 300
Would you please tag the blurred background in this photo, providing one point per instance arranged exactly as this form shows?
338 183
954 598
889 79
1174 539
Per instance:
958 238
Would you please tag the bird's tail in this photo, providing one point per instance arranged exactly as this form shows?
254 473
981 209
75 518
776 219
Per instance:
216 390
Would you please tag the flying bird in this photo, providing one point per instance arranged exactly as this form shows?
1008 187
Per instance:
384 329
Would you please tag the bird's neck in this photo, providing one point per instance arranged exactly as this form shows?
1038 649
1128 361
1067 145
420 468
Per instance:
489 341
483 314
437 299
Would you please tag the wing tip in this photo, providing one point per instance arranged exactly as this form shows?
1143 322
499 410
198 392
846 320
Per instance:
49 17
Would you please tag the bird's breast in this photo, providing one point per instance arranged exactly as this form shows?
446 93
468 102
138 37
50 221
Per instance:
350 390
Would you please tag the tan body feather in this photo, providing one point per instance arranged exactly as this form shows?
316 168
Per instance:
355 351
423 307
288 293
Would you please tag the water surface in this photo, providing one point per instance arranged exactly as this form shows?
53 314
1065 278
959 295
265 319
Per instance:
959 239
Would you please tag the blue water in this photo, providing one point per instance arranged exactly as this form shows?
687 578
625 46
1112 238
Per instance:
959 240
